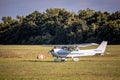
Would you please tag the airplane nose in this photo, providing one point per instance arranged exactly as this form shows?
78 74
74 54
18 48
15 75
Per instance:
51 51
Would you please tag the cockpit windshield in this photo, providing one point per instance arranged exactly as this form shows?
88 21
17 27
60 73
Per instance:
70 48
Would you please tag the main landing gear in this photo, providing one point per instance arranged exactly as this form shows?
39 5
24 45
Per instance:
75 59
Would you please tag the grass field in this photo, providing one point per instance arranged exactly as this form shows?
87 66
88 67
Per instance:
19 62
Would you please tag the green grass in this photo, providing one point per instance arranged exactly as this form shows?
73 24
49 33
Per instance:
21 63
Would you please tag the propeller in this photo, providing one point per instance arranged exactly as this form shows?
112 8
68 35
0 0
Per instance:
52 50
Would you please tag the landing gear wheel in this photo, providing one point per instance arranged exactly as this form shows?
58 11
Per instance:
57 60
63 59
75 59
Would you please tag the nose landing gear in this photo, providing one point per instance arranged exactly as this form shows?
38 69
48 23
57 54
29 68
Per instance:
60 59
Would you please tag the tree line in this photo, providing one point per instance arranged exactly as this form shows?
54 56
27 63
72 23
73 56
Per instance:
59 26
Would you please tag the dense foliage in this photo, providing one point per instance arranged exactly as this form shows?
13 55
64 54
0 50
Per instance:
59 26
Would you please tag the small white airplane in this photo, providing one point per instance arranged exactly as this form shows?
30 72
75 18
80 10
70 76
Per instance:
65 51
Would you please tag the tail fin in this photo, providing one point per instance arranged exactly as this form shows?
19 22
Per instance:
101 48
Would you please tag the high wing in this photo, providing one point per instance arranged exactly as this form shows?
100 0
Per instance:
73 45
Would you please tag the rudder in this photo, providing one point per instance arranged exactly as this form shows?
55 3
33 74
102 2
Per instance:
102 47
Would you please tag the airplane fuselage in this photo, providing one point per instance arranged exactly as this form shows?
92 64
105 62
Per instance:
64 53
